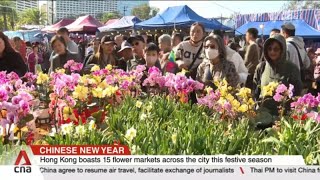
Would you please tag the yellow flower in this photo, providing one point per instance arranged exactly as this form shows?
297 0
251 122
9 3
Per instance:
138 104
208 89
251 102
68 113
230 97
97 79
149 107
60 71
98 92
174 138
80 92
92 125
109 67
110 90
269 89
235 104
103 85
243 108
182 72
130 134
244 93
95 68
42 78
84 79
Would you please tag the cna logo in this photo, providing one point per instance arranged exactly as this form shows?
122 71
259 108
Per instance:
23 168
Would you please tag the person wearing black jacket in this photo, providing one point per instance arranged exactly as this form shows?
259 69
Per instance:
10 60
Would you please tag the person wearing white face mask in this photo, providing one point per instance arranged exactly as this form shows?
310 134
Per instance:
151 55
215 67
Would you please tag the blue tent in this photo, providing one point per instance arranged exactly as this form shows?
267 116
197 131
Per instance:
126 22
302 28
179 16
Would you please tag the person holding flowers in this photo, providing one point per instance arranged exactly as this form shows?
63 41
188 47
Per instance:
275 69
215 67
188 52
62 54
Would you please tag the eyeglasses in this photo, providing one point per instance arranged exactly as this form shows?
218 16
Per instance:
212 46
274 49
135 44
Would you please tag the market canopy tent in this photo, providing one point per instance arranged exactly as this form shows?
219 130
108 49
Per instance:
84 24
55 27
302 28
126 22
179 16
110 21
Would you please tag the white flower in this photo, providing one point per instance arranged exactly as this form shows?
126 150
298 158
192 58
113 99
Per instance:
149 107
174 138
66 128
53 132
1 131
80 130
131 133
138 104
143 116
135 149
92 125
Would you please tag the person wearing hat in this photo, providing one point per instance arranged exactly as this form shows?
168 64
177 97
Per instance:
105 54
138 44
125 53
295 47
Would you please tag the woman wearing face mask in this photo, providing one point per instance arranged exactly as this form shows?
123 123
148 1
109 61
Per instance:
62 55
275 68
10 60
188 52
215 67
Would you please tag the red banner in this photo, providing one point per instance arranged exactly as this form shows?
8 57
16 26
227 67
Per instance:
80 150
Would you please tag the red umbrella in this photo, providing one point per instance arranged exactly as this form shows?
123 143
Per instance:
84 24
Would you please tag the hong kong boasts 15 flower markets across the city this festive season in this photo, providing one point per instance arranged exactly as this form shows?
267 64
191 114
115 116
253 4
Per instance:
154 114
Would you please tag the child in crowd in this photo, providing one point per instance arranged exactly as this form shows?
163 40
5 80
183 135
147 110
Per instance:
151 55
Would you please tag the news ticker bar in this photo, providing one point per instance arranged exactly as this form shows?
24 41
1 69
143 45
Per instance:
168 172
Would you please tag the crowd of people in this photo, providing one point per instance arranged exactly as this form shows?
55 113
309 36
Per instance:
204 57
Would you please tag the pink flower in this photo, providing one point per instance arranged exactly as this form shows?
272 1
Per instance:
277 97
281 88
290 90
13 76
3 95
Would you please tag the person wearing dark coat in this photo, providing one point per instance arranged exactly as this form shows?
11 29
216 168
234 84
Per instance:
62 55
10 60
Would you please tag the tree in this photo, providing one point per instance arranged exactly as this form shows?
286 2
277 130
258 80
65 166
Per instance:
110 15
32 16
7 12
144 11
296 4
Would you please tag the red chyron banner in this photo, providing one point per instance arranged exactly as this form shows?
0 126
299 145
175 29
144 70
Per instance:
80 150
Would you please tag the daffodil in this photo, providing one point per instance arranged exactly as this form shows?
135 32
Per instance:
130 134
138 104
80 92
42 78
92 125
80 130
95 68
67 128
174 138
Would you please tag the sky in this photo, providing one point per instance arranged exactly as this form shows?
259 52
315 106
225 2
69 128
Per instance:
210 9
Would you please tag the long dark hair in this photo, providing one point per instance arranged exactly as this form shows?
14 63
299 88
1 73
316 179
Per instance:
7 46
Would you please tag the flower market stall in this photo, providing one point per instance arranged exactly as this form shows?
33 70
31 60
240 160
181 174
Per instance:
151 113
